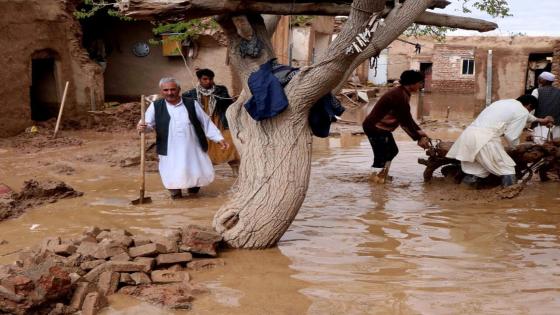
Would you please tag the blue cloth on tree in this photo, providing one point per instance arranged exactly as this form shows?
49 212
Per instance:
267 85
268 98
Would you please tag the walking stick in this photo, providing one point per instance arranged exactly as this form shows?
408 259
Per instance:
143 199
61 108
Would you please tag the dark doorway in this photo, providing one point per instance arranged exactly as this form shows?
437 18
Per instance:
44 96
538 63
426 70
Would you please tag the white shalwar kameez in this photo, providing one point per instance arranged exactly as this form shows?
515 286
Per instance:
480 149
186 165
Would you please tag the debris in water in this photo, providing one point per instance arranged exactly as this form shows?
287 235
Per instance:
33 194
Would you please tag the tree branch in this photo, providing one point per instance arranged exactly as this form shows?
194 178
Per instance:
189 9
466 23
271 23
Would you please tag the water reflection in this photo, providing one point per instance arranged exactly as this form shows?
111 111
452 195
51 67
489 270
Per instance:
399 249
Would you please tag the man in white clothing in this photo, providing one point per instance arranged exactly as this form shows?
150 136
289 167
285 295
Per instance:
181 130
480 148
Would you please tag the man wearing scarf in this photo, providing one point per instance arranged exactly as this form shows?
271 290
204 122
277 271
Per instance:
215 100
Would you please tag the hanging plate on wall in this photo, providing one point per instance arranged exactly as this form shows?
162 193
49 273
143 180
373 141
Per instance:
141 49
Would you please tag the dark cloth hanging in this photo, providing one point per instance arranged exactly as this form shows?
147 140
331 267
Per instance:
270 80
323 113
268 98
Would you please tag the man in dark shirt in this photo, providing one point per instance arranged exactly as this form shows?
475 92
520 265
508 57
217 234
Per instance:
549 105
391 111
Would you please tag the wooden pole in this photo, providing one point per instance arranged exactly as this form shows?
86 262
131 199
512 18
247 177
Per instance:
489 78
142 150
61 108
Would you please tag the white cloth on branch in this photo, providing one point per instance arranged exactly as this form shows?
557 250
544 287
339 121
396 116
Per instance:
186 164
479 148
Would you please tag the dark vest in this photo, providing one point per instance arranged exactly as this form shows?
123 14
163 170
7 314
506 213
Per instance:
549 103
162 125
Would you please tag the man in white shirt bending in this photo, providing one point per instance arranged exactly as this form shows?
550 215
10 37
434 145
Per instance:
480 149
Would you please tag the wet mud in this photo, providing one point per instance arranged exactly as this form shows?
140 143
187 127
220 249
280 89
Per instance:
34 194
38 141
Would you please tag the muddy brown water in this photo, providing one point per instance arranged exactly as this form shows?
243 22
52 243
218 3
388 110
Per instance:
354 248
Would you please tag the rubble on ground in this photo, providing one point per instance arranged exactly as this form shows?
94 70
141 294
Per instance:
64 276
122 117
32 142
33 194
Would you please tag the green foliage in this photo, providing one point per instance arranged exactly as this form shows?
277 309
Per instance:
186 30
90 8
301 19
436 32
496 8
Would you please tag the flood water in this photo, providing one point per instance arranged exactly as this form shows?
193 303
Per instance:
354 248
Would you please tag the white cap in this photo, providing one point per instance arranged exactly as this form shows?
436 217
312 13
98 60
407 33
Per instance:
547 76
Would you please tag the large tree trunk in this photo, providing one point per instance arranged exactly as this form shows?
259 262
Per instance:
276 153
275 160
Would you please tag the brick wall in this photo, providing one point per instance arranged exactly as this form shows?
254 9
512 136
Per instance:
556 63
447 69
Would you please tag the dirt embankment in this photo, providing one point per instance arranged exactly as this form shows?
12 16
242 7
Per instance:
122 117
33 194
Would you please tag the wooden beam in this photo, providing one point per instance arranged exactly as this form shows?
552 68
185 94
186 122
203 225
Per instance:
167 10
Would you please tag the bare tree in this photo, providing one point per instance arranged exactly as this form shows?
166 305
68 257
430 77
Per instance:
276 153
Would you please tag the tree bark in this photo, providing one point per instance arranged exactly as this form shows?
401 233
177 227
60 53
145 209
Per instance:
275 160
434 19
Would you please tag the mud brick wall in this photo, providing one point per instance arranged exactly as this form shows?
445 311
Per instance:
556 63
38 30
447 69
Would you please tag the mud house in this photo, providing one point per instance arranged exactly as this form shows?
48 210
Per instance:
308 38
134 63
41 50
134 66
460 64
108 59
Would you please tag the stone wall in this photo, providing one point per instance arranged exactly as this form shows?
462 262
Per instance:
39 29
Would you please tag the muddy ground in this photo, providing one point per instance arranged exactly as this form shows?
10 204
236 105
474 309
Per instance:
354 248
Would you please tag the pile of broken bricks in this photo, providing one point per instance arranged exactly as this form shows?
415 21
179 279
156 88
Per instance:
67 276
